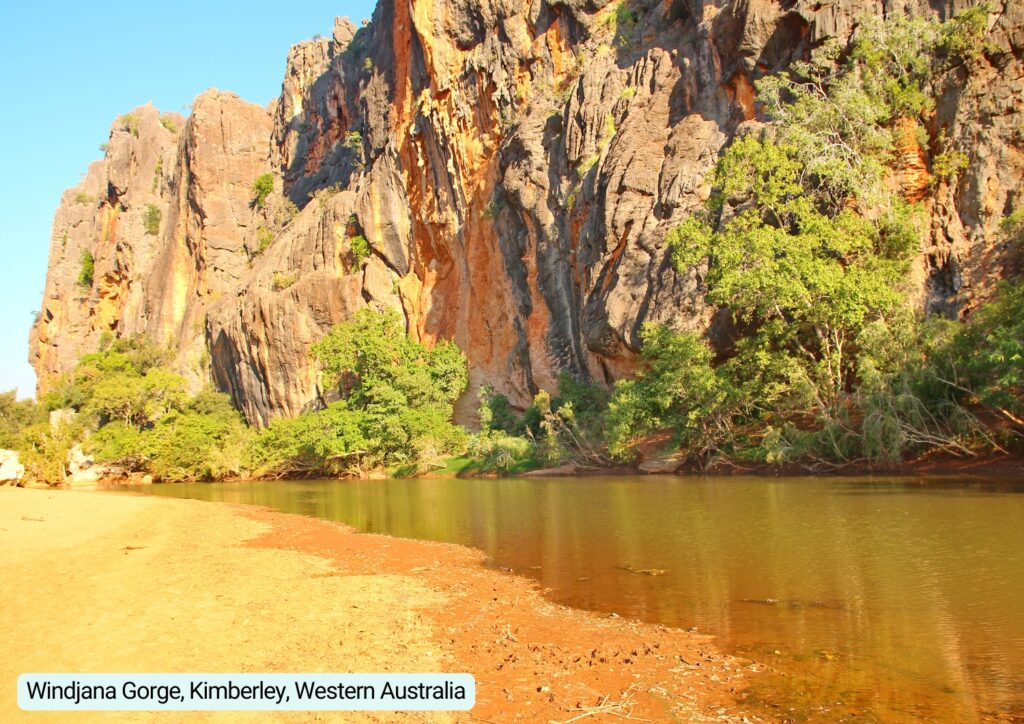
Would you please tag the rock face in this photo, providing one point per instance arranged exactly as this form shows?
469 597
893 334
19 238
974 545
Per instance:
515 168
166 218
11 470
82 470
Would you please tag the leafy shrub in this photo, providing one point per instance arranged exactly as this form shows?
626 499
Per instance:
609 130
360 248
676 388
285 212
158 171
586 164
322 196
205 439
496 451
1012 225
497 414
86 270
329 442
130 123
621 22
589 402
119 443
151 219
264 238
83 198
262 187
283 280
44 451
963 36
950 163
569 427
1011 228
566 427
984 361
15 415
168 123
925 385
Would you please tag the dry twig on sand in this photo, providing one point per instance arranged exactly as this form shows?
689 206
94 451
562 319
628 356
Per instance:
623 708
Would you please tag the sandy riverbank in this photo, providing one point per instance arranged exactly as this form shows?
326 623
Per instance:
109 582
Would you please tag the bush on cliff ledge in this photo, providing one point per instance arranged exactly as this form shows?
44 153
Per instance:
262 187
86 270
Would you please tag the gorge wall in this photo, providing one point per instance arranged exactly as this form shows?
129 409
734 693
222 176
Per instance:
515 168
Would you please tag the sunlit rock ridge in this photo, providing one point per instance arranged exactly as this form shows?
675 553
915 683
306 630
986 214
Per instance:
514 167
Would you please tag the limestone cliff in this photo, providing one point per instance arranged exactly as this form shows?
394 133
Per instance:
165 218
515 168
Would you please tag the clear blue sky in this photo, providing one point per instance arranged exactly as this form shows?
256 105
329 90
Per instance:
70 68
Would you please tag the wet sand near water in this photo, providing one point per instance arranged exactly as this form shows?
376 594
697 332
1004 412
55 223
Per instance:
104 582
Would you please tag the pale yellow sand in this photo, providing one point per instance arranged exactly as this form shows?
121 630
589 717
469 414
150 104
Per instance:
107 582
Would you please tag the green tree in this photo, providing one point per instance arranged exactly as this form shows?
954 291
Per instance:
44 451
676 388
840 112
128 358
205 439
134 411
396 402
372 350
329 441
807 252
803 282
15 416
137 400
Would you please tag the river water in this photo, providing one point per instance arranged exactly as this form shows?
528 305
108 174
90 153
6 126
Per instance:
875 599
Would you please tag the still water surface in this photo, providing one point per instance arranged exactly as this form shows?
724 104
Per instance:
877 599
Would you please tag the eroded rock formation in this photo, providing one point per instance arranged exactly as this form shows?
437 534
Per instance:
165 217
515 168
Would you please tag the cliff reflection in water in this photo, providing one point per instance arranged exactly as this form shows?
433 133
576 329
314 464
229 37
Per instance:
893 597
